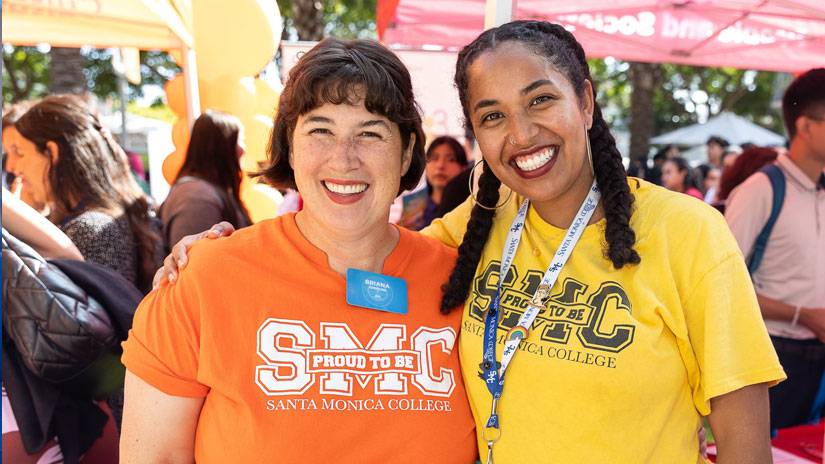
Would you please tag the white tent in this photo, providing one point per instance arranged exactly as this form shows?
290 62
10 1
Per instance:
735 129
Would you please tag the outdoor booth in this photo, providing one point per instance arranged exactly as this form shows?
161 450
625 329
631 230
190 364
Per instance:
224 76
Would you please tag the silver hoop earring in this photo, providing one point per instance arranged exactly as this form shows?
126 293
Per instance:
473 197
589 152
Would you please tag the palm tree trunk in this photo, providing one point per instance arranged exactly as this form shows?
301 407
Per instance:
67 70
644 78
308 18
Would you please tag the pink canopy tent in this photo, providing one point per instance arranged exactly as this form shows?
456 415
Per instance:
776 35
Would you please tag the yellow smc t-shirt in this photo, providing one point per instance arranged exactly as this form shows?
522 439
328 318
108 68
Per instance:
621 364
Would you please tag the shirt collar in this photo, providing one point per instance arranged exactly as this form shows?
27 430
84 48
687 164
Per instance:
797 175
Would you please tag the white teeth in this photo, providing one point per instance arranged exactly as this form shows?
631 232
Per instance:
348 189
536 160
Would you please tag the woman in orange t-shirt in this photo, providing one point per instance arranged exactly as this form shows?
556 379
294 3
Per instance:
315 336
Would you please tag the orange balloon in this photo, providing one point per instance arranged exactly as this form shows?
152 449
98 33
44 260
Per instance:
174 161
176 95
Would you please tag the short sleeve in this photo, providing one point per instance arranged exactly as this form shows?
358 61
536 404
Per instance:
450 229
727 335
747 210
164 343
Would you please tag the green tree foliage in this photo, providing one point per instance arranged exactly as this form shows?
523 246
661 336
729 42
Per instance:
687 93
26 72
347 19
155 68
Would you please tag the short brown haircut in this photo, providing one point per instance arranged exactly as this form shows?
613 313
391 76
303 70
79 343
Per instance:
342 71
804 97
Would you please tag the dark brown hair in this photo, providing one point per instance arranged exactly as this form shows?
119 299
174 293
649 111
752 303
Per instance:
560 48
212 156
341 72
691 176
804 97
91 170
14 112
458 150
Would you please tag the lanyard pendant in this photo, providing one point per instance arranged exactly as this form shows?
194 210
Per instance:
492 432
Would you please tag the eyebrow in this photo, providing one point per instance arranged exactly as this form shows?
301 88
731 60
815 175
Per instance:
325 120
320 119
375 122
536 85
524 91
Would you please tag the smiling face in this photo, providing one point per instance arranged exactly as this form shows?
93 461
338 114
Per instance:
348 165
530 124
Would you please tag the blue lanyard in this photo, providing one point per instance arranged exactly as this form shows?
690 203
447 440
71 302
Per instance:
493 373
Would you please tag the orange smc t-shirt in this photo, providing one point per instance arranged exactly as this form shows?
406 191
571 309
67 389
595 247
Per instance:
258 324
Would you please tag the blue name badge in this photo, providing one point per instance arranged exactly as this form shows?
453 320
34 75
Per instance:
376 291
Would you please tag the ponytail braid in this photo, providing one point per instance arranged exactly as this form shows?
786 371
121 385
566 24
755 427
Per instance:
560 47
469 252
617 200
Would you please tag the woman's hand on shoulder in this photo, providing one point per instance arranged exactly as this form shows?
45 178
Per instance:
177 259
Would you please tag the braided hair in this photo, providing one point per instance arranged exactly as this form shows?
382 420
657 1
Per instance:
559 47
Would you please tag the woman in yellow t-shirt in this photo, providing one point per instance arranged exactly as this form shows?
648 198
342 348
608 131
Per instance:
626 310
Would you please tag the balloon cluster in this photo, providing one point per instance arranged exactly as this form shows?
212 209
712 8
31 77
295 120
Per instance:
234 41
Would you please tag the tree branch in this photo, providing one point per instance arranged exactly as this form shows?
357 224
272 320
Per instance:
10 69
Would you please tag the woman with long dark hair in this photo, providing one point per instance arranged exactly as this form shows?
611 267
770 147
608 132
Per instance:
446 158
68 160
207 189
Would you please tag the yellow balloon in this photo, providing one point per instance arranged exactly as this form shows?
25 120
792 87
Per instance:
261 200
241 46
257 132
266 98
230 94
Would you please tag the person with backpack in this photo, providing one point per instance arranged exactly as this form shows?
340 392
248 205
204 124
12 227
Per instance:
778 218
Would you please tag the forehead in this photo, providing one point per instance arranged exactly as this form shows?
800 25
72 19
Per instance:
343 113
13 137
508 68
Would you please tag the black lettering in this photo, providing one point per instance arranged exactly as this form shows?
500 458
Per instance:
557 332
621 336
